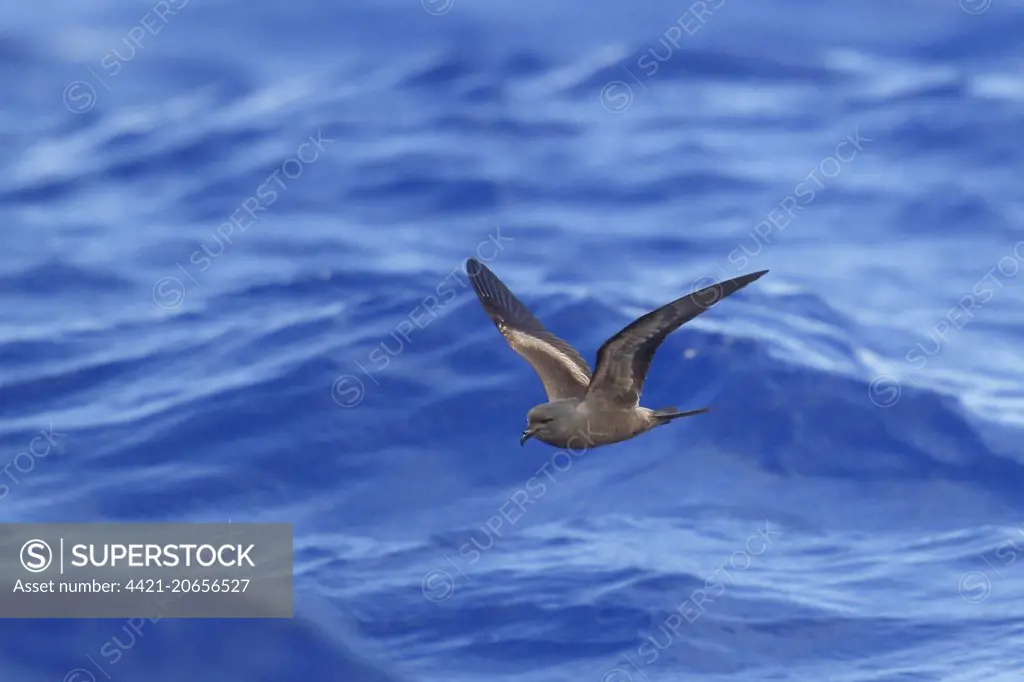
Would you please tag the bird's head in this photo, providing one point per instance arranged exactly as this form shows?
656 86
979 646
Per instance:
547 420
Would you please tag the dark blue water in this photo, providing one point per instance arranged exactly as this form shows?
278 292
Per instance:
231 286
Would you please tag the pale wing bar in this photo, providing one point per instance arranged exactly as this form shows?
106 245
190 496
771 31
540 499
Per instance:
561 369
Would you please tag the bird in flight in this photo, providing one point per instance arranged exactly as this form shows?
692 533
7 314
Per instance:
584 409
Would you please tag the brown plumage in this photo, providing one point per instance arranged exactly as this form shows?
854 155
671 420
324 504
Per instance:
592 408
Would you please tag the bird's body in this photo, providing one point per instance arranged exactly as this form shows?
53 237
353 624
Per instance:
586 410
583 424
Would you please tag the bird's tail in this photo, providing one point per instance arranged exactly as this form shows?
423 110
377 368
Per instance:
670 413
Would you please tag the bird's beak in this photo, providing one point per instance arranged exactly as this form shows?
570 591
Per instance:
527 435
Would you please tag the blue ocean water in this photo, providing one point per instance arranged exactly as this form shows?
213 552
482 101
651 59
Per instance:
231 281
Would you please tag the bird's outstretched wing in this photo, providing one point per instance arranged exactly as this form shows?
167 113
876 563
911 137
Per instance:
623 360
560 368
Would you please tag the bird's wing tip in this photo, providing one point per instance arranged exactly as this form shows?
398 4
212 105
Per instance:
754 276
